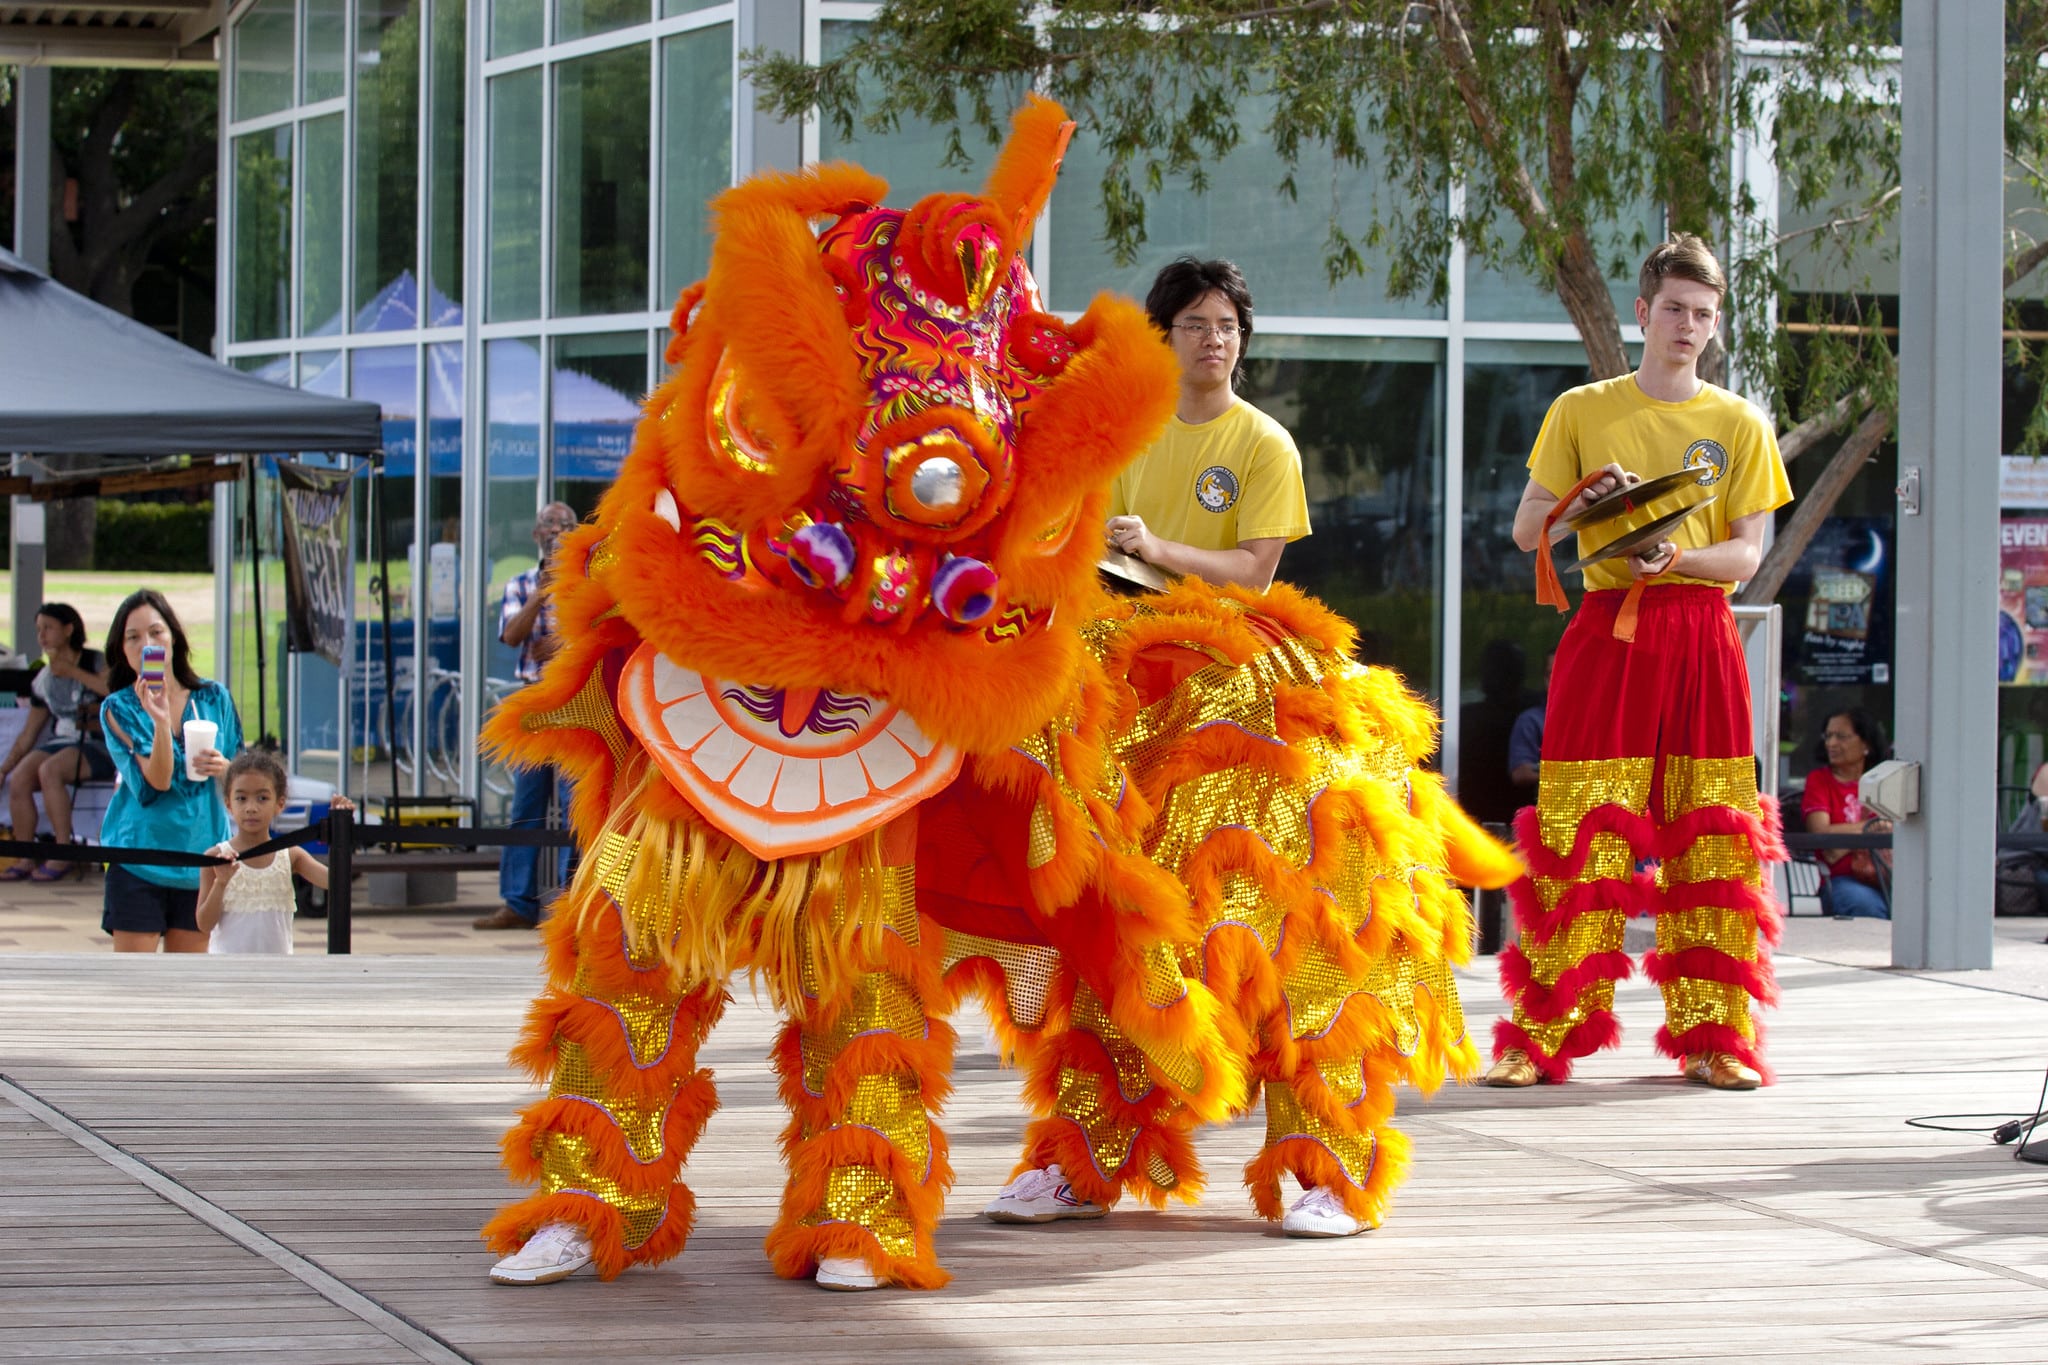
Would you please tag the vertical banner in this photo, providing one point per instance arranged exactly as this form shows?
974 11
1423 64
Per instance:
1843 638
316 543
2023 601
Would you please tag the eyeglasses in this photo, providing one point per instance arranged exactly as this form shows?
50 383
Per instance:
1197 331
1844 736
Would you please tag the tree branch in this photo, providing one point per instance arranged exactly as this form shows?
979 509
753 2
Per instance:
1803 437
1525 200
1814 508
1837 224
2022 265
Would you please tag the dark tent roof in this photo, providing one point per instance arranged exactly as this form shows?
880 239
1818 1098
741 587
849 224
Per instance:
77 378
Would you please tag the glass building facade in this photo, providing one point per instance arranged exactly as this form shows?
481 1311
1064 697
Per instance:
478 214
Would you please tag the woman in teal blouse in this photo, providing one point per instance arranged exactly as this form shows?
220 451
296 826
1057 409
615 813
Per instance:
156 805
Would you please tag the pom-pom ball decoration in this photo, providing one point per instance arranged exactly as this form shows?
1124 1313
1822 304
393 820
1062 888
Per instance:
964 590
821 555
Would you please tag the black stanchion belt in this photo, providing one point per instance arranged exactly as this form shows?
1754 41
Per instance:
150 857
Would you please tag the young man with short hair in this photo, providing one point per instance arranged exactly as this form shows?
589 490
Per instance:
1219 494
1647 747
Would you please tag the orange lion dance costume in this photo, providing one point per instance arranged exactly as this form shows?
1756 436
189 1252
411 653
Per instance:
841 715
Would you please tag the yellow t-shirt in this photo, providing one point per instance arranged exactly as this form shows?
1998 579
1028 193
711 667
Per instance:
1728 439
1217 484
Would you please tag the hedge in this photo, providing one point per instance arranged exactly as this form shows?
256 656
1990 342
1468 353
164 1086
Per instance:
153 537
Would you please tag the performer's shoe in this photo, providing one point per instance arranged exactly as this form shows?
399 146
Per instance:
1320 1213
847 1274
556 1252
1721 1070
1514 1069
1041 1196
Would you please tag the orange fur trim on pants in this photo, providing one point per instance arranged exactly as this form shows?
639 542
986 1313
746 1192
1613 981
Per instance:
515 1224
1313 1164
1162 1125
819 1139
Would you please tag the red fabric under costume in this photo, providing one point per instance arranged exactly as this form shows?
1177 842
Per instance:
1647 805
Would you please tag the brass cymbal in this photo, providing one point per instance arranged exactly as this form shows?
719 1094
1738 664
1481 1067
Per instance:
1633 497
1628 542
1132 569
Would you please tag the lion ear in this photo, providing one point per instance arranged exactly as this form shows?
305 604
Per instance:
777 363
1023 176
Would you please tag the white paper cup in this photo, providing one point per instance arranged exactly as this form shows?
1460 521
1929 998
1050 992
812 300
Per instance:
199 735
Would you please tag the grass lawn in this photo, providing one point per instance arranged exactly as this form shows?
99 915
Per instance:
97 594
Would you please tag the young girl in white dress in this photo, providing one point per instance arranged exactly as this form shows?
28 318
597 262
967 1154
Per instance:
248 906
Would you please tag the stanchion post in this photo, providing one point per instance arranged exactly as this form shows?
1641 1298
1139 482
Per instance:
341 872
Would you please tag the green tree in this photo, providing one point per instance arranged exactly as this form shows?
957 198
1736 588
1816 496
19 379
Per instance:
132 170
1534 132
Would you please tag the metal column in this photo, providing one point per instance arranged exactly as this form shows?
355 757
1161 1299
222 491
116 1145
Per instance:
1949 384
763 142
32 243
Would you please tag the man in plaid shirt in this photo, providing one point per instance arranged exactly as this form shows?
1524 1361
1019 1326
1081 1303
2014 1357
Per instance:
527 620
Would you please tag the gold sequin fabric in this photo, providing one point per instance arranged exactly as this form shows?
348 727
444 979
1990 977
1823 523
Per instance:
1685 785
590 709
569 1165
1272 799
1253 756
1109 1139
867 1198
1027 969
1287 1118
889 1104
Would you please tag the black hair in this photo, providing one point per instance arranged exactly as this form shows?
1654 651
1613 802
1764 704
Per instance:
1186 281
120 673
66 615
258 761
1868 728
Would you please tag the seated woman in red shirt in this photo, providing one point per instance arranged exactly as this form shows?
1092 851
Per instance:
1851 742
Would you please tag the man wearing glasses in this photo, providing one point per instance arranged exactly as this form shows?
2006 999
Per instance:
527 620
1219 494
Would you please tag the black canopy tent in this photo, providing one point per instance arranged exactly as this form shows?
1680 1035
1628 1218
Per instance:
79 379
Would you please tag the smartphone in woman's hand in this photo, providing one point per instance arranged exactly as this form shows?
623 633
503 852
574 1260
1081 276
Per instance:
153 667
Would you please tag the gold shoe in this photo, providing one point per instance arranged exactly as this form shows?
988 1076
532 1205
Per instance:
1514 1069
1721 1070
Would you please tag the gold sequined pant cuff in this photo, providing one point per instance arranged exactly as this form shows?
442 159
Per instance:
1109 1126
867 1167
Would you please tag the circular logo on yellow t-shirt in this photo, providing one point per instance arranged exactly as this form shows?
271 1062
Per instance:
1216 489
1709 457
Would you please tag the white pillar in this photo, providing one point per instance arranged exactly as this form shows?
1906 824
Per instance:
762 141
1949 385
32 244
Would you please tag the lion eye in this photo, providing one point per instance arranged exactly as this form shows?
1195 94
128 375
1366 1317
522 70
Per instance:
938 483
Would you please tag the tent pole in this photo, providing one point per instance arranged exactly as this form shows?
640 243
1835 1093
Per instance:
256 601
378 477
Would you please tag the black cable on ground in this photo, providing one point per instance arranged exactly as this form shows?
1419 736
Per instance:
2009 1128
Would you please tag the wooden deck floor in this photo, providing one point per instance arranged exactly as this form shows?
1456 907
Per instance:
286 1160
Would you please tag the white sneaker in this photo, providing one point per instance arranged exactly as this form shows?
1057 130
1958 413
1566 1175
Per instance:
1319 1213
556 1252
1041 1196
847 1273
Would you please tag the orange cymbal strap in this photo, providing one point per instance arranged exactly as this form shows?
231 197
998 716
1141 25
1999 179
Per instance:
1549 588
1625 619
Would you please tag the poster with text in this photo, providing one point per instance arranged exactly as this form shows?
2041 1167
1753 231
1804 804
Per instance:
316 572
2023 601
1838 605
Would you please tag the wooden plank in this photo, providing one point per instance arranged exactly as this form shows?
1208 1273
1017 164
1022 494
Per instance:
350 1108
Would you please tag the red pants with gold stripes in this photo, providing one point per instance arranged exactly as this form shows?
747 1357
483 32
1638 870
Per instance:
1647 805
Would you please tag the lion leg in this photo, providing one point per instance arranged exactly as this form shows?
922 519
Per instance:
616 1042
1105 1121
863 1070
